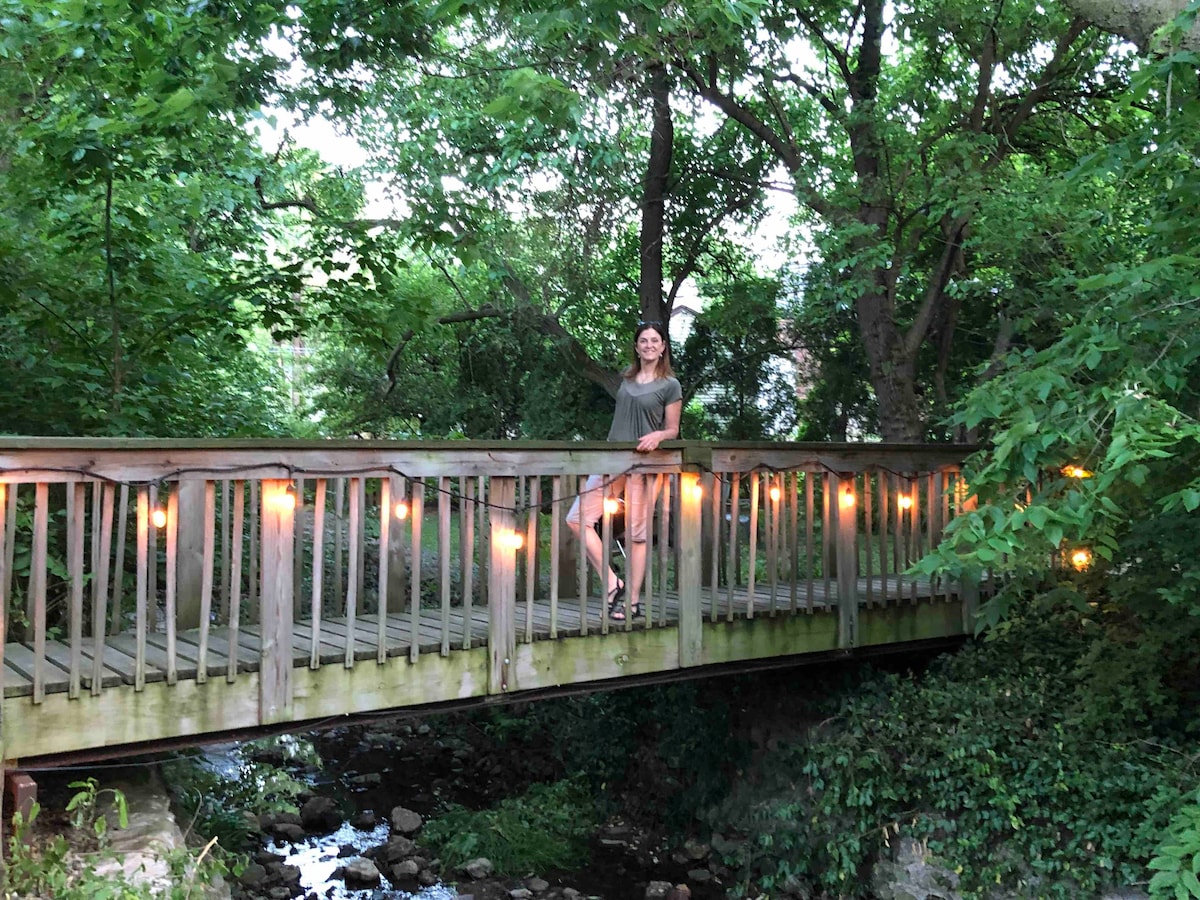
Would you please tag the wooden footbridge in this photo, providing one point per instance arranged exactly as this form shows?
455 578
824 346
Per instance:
157 591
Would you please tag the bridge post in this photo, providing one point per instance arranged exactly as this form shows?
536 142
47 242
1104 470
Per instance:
275 701
691 500
845 511
502 584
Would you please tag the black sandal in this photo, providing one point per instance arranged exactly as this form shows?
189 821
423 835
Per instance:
618 614
616 602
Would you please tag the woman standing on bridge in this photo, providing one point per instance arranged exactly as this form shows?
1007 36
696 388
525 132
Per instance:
649 401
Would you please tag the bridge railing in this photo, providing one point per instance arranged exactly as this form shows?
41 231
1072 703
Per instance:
124 562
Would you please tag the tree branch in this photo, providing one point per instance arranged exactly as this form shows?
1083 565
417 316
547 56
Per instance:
303 203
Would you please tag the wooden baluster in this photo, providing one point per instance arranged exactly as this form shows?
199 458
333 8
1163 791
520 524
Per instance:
502 586
444 551
172 530
466 542
792 487
207 566
235 578
581 567
774 495
714 484
555 559
828 561
664 546
277 601
752 566
531 552
868 491
318 573
381 589
252 561
77 505
298 545
223 615
810 550
484 556
885 572
415 516
143 588
914 527
114 627
606 557
152 572
735 564
354 549
339 537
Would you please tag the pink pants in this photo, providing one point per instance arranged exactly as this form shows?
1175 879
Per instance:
639 502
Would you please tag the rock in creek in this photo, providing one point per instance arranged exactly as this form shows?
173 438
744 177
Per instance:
480 867
320 815
360 873
405 821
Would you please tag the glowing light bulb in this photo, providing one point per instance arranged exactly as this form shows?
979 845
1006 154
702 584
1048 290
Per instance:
400 509
846 499
159 518
775 493
1081 558
511 540
904 501
697 491
610 506
1074 471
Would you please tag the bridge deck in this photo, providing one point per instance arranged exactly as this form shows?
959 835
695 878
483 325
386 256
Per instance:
120 651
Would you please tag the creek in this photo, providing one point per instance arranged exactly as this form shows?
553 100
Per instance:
424 766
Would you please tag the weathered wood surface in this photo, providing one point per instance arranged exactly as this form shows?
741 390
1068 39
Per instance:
120 651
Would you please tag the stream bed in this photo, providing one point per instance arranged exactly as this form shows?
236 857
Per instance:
366 773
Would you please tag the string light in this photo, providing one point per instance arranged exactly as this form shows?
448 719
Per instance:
904 501
1074 471
400 509
1081 559
159 517
697 491
511 540
846 499
775 493
611 506
282 501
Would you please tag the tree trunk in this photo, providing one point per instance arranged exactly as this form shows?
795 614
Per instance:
654 196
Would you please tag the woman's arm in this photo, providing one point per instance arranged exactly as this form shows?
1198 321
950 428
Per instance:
668 432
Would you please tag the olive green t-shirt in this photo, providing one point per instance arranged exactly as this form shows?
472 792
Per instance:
642 408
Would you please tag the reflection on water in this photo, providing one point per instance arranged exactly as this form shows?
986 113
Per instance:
319 857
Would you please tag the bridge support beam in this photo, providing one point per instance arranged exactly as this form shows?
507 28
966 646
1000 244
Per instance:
277 602
502 585
845 510
691 630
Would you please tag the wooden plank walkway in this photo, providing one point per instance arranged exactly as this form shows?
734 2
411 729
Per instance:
118 663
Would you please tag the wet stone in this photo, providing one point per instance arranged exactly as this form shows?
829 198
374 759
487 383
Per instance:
700 876
537 885
657 890
480 867
405 821
406 869
520 894
320 815
365 820
289 832
361 872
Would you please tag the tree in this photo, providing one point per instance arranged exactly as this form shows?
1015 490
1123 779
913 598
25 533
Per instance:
524 110
894 134
1094 440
